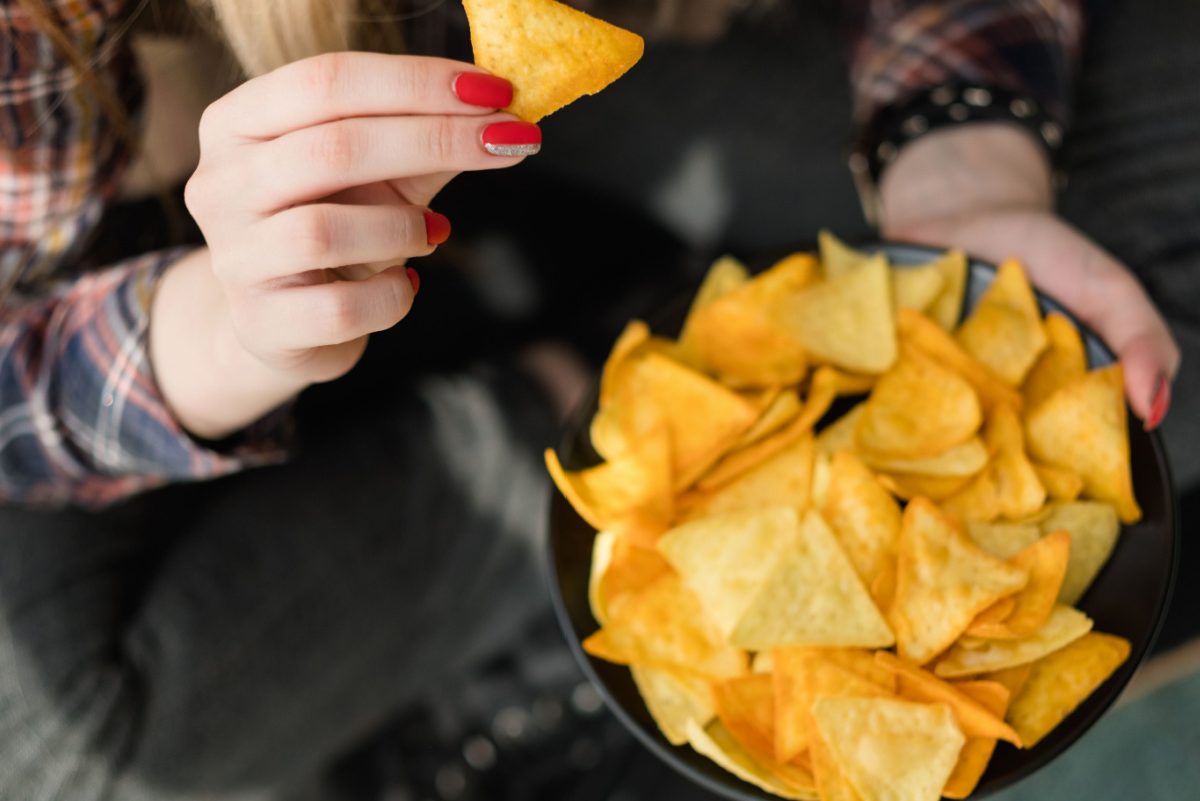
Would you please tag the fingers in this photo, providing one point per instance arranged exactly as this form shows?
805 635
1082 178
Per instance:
305 317
315 162
328 235
340 85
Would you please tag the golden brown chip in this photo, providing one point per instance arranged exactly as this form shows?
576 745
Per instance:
1061 484
918 409
838 258
746 705
947 307
935 488
674 699
840 434
1060 681
864 517
1063 361
846 321
943 581
978 501
783 409
1004 332
787 781
972 655
916 287
977 752
620 566
784 479
552 53
1046 563
918 332
1013 678
1082 427
1019 493
725 275
958 461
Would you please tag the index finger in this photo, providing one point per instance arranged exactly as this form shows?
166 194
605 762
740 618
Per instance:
335 86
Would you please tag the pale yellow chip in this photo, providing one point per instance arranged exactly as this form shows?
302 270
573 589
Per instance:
890 749
958 461
674 699
846 321
782 479
838 258
1046 563
1062 362
1060 681
552 53
1061 484
918 408
832 783
1019 491
1082 427
947 307
977 752
725 275
1094 529
918 332
602 548
785 408
864 517
665 626
840 434
1005 331
715 742
1003 540
727 559
916 287
943 581
972 656
812 597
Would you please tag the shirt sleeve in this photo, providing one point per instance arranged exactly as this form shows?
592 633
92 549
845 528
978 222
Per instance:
902 47
81 417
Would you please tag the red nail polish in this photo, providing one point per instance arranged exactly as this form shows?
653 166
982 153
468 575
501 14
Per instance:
1159 403
414 278
481 89
437 227
512 139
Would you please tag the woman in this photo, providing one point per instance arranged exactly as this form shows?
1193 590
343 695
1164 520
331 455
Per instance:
262 633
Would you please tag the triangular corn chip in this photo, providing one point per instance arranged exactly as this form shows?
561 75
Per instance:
1094 529
918 408
838 258
977 501
1046 563
957 461
1003 540
1060 681
1082 427
674 699
635 335
864 517
782 410
916 287
1061 484
973 655
552 53
746 706
832 783
1062 362
812 597
846 321
787 781
947 307
1019 493
943 581
974 719
783 479
918 332
620 566
725 275
890 749
1004 331
977 751
935 488
840 433
1013 679
727 559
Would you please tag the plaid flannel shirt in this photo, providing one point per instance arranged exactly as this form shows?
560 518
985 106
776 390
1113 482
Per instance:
81 417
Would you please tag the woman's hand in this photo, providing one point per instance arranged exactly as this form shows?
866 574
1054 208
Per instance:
312 192
986 189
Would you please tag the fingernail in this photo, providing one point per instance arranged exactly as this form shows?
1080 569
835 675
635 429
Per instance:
512 139
1159 402
437 227
481 89
414 278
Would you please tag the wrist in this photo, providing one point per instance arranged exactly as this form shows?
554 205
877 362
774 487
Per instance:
963 171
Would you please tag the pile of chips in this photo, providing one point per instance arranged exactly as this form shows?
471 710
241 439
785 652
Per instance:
862 608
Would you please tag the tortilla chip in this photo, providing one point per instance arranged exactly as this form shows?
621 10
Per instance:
846 321
725 275
947 307
552 53
958 461
1063 362
1060 681
943 581
918 332
1013 679
974 719
812 597
715 742
918 408
977 752
978 501
1019 493
994 614
782 479
1061 484
1004 332
840 434
665 626
782 410
1003 540
973 656
674 699
935 488
889 748
1094 529
746 706
1046 563
831 779
838 258
1082 427
626 567
636 334
864 517
602 548
916 287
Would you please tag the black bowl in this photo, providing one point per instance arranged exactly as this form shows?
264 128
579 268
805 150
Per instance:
1129 597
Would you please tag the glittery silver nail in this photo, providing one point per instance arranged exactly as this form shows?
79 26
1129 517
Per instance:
511 150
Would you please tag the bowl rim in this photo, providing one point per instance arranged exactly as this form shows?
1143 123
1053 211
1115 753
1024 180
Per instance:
732 786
